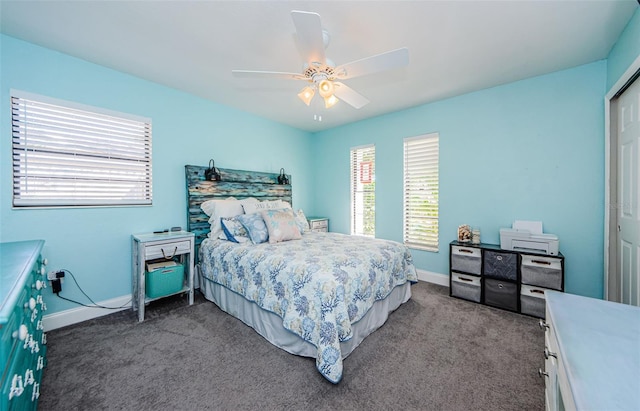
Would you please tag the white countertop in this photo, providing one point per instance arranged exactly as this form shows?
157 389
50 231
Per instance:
599 344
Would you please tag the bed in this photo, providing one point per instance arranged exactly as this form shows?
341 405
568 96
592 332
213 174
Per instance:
317 295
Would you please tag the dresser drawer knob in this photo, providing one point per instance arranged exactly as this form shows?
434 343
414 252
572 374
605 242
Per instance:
543 325
21 333
31 304
548 354
542 374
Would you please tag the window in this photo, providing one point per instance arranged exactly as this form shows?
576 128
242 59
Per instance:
421 192
363 191
66 154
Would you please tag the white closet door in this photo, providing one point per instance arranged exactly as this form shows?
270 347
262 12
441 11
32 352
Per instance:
629 194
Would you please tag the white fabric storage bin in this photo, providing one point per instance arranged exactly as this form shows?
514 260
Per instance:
465 286
466 259
541 271
532 301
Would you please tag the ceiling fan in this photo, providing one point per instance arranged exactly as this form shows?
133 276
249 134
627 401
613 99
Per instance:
320 73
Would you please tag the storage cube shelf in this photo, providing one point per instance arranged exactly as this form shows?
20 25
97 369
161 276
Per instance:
506 279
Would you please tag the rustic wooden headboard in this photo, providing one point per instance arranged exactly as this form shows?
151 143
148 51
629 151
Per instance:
239 184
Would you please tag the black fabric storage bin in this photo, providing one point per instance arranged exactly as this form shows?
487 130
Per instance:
501 265
501 294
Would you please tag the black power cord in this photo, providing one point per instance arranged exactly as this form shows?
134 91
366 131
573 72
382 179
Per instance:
95 305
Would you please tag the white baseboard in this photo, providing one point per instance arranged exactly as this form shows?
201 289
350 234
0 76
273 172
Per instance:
76 315
433 278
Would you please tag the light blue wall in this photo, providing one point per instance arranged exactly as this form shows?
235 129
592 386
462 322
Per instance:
625 51
95 243
530 150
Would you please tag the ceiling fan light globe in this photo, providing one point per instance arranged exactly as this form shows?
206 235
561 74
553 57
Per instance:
306 95
325 88
330 101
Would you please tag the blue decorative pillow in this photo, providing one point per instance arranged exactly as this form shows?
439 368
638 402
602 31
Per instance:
234 230
255 226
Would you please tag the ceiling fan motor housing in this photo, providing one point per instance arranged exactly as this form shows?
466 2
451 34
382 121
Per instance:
320 73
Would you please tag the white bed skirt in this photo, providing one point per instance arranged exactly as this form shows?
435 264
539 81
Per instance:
269 325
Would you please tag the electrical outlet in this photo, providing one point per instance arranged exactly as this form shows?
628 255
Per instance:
55 274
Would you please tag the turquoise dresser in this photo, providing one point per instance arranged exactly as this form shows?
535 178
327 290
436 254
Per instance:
23 341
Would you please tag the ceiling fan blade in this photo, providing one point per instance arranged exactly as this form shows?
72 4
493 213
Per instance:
272 74
309 37
374 64
349 95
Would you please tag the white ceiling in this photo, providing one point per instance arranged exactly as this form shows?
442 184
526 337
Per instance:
455 47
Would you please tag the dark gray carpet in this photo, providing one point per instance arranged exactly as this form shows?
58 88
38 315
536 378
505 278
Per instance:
434 353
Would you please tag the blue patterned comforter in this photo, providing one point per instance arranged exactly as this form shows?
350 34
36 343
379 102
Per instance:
319 285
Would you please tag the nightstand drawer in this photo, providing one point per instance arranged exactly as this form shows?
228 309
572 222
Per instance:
167 250
317 224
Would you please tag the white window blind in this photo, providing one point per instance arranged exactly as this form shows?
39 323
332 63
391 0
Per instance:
363 191
67 154
421 188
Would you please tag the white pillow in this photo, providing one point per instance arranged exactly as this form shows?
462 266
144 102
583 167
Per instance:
249 200
285 204
251 208
209 206
217 209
